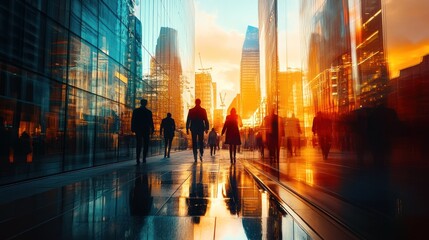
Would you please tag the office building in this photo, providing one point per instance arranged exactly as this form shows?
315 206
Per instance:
250 88
344 58
204 91
71 72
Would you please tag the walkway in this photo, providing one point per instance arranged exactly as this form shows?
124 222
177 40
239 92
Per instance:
163 199
301 197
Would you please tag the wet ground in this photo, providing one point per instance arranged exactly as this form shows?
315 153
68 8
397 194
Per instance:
164 199
297 197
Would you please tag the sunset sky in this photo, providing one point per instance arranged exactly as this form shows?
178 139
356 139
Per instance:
221 27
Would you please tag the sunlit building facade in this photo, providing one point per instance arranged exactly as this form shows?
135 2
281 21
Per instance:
267 20
344 57
71 72
204 91
166 74
250 87
290 94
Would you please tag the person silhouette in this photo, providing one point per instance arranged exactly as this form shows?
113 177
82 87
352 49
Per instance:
212 141
322 127
169 126
231 194
198 123
142 126
232 137
274 132
140 196
197 202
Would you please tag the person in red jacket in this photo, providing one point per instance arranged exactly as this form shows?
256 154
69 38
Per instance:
232 138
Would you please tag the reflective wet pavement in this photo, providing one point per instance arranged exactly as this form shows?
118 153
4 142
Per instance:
300 197
164 199
373 202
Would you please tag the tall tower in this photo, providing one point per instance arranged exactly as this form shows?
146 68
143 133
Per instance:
269 57
249 73
345 60
168 74
371 58
204 91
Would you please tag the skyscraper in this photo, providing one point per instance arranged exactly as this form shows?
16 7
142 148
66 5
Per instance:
371 59
72 71
250 88
269 59
204 91
343 48
167 72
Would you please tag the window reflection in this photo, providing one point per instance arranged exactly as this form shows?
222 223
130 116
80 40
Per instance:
73 70
82 65
107 129
32 124
80 138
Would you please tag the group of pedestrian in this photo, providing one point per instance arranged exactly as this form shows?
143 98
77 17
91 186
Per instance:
197 122
142 125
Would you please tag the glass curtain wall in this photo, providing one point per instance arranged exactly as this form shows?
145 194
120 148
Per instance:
72 71
344 55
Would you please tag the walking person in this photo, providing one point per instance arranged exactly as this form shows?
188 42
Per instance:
169 126
198 123
322 127
273 124
213 141
142 126
293 131
232 137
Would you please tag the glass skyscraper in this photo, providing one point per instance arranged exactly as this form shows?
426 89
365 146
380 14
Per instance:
344 55
72 71
250 88
268 51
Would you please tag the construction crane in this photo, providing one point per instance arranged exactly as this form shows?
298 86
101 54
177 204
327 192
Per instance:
222 102
202 69
222 99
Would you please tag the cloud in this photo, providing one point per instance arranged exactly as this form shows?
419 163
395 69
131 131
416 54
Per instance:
407 34
220 49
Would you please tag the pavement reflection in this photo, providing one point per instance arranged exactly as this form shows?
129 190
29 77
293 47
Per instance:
387 196
163 199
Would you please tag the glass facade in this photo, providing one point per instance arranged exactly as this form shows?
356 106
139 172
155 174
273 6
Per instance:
249 73
72 71
268 52
205 92
344 57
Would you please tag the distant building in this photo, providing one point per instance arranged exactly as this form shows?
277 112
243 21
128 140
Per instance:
250 88
204 91
218 119
290 94
409 94
166 73
344 59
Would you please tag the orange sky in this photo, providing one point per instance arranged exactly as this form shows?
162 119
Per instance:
407 33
